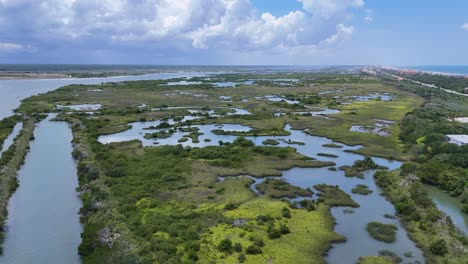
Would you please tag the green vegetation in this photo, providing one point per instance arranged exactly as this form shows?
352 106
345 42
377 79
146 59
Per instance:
6 127
374 260
360 166
160 134
361 189
269 236
327 155
455 83
270 142
183 139
165 204
421 218
390 255
280 189
194 136
10 162
332 145
333 196
423 131
382 232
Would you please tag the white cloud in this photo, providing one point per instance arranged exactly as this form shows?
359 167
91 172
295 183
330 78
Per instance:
342 32
369 18
465 26
330 8
9 47
201 24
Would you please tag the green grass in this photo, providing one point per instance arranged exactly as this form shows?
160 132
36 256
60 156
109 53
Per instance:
364 114
310 234
332 145
382 232
194 136
166 204
422 223
333 196
10 163
280 189
270 142
361 189
327 155
374 260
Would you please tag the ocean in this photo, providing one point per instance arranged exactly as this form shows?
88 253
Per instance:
463 70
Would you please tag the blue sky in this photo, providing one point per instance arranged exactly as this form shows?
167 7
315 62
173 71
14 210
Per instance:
310 32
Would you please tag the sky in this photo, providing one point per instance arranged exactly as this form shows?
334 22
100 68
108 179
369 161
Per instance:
234 32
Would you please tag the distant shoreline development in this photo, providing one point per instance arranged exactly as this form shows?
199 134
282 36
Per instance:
398 77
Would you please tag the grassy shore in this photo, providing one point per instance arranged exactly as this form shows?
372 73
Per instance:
281 189
425 224
166 203
10 162
333 196
168 193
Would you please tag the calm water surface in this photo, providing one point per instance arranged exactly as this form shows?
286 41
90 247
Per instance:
13 91
353 226
451 206
9 140
46 203
43 223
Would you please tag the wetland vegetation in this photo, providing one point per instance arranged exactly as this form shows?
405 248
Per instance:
164 202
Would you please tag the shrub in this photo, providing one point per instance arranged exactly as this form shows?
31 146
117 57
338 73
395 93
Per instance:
286 212
230 206
241 258
439 247
284 230
225 245
274 233
382 232
253 250
237 247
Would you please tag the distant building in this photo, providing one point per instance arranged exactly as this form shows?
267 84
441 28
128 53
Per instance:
460 140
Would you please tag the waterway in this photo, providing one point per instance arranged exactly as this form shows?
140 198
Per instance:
43 222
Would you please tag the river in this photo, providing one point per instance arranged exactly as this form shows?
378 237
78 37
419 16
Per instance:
373 207
13 91
450 206
43 222
43 225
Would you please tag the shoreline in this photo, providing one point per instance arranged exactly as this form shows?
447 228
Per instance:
414 71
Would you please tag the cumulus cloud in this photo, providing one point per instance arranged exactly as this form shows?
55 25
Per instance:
185 24
465 26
